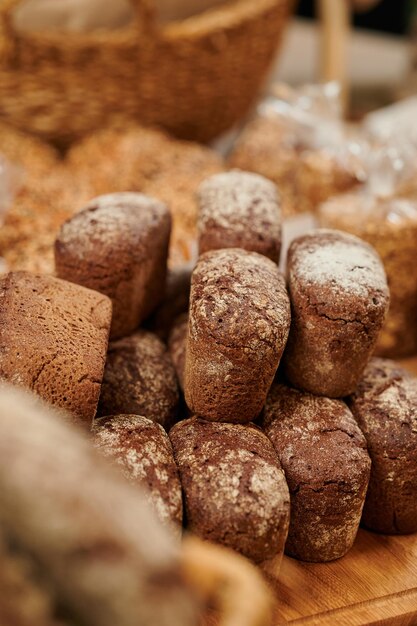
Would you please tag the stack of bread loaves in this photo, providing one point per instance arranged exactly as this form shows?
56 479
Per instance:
282 402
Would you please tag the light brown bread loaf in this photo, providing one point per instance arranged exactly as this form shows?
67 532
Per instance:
53 340
234 489
118 245
324 457
238 326
339 298
385 407
239 210
140 379
142 450
92 533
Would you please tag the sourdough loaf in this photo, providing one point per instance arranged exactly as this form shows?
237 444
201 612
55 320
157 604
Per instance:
53 340
385 407
238 326
324 457
339 298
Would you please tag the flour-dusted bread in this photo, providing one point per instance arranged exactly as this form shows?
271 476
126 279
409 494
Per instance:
339 298
239 210
238 327
324 457
96 541
177 343
142 450
234 488
140 379
385 407
53 340
118 245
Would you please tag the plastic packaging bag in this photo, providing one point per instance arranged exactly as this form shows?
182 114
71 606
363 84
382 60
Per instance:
299 140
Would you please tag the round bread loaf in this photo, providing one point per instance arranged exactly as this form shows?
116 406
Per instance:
385 407
238 327
53 340
324 457
143 451
118 245
339 298
140 379
234 489
177 344
239 210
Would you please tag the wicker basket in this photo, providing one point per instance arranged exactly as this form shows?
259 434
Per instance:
195 78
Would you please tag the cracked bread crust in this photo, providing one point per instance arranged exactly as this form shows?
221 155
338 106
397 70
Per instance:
53 340
385 407
339 299
327 467
118 245
234 488
140 379
143 452
240 210
238 327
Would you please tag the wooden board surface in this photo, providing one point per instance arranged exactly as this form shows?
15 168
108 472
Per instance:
375 583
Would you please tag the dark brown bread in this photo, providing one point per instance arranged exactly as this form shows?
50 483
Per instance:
177 344
339 298
234 489
238 326
385 407
142 450
175 302
239 210
118 245
97 541
53 340
140 379
324 457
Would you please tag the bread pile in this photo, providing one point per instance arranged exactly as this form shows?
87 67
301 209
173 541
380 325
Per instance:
248 404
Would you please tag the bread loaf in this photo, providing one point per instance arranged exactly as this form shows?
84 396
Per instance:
238 326
118 245
92 533
385 407
339 298
53 340
175 302
239 210
140 379
143 452
324 457
234 489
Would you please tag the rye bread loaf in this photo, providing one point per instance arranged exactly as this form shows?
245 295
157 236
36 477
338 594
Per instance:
239 210
234 489
118 245
142 450
139 379
238 326
385 407
177 343
324 457
95 538
339 298
53 340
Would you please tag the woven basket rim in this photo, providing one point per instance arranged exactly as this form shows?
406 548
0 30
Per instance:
217 18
